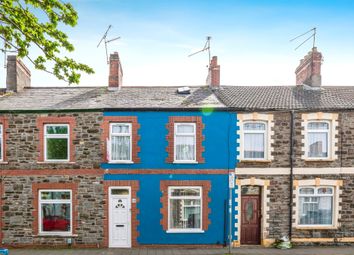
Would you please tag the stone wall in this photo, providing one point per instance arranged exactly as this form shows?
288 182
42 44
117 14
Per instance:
19 222
22 141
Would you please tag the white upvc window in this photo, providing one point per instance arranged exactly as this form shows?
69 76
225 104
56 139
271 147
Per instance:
185 142
120 150
56 142
184 209
1 143
318 140
316 206
255 140
55 212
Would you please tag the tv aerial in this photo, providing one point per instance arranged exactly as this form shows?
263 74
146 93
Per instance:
313 36
106 41
205 48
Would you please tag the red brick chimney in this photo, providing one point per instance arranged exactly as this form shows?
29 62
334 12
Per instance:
213 79
309 70
115 80
18 75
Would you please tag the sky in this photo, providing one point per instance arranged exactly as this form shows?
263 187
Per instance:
250 38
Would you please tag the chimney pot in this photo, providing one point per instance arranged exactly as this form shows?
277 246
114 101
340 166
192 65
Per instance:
115 79
309 70
18 76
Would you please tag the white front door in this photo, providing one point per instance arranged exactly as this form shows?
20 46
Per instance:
119 217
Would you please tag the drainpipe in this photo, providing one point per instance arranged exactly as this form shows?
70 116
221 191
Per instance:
291 158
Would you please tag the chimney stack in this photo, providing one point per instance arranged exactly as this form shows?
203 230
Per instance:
213 79
18 75
115 79
309 70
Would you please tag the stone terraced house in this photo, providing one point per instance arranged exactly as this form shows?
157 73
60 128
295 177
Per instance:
125 166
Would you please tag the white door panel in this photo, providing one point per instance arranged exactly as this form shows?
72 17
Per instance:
120 218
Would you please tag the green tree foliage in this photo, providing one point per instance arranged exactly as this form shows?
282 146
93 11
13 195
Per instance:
22 24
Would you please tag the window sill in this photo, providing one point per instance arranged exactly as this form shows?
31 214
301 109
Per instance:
185 162
121 162
56 235
315 227
319 160
55 162
184 231
4 163
255 161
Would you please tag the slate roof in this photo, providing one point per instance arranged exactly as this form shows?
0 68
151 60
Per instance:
303 97
241 98
81 98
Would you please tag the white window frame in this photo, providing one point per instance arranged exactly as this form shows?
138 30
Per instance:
317 195
186 230
2 142
194 134
54 201
265 138
120 134
67 136
329 136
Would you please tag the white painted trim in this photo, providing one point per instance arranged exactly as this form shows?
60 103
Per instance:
332 119
54 201
265 193
269 121
296 170
194 134
185 230
130 134
56 136
336 203
262 171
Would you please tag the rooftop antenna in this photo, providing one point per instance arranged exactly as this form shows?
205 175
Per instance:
5 50
104 39
205 48
313 36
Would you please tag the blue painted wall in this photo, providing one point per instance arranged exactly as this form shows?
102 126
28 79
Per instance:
220 153
219 142
151 232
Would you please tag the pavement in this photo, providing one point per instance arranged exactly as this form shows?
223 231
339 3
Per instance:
211 251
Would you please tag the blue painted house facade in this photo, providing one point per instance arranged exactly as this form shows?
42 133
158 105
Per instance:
175 198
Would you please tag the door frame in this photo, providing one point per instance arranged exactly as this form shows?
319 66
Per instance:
110 215
265 200
259 196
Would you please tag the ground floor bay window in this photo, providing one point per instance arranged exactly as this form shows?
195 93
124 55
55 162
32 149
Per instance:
185 209
55 212
316 206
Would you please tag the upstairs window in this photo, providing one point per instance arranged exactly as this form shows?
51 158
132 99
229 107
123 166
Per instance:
185 142
316 206
121 142
1 143
255 140
56 145
318 139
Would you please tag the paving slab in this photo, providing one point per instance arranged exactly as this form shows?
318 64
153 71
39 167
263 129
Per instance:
165 251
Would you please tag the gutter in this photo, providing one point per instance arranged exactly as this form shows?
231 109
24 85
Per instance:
291 158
